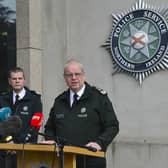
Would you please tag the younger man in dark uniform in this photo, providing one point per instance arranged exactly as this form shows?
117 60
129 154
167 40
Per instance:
23 103
86 119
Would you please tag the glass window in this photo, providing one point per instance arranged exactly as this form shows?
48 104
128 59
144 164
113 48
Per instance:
7 40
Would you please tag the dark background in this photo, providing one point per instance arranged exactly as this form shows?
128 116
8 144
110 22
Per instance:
7 43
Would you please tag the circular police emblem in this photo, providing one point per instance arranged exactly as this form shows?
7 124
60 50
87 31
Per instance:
139 40
25 108
83 110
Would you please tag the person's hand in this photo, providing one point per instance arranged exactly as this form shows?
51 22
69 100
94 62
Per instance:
94 145
50 142
11 152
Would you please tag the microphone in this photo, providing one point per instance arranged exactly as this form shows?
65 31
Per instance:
5 112
9 127
37 120
35 125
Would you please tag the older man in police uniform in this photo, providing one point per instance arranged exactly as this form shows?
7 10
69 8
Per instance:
83 115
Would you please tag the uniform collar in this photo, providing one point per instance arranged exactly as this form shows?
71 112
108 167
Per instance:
79 93
21 94
83 94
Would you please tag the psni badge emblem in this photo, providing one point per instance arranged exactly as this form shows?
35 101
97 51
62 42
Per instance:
139 40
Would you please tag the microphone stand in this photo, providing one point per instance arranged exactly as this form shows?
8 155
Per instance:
61 155
61 143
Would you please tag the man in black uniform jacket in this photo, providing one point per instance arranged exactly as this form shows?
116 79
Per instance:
90 121
23 103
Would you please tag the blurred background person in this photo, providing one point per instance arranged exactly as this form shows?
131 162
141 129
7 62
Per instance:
24 103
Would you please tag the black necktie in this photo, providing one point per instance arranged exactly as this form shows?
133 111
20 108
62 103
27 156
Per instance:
75 100
16 99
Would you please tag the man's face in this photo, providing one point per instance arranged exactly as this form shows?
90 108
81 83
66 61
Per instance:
74 76
17 81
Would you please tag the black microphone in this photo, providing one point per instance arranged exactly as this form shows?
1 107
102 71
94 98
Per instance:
9 127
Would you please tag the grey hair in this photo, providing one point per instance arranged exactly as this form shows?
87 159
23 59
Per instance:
73 61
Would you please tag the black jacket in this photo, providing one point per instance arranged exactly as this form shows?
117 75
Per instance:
25 109
91 119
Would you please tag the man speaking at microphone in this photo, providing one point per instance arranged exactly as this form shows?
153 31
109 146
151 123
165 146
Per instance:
83 115
24 103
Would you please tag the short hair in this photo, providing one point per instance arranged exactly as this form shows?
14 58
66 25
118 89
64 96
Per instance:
15 70
73 61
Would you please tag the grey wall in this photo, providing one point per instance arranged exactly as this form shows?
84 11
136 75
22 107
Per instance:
54 49
77 29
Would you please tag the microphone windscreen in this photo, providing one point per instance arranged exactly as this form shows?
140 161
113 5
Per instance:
37 120
10 126
14 121
35 124
5 112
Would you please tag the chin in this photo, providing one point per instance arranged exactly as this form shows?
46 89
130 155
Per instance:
75 89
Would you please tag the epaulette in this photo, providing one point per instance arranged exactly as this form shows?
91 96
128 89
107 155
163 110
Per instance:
101 90
3 93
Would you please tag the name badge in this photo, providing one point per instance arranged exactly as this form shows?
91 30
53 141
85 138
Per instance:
59 116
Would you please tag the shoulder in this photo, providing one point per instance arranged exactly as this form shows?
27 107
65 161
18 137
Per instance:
97 90
33 93
5 99
101 91
62 95
5 94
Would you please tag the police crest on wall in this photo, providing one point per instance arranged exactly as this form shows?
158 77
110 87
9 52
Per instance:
138 42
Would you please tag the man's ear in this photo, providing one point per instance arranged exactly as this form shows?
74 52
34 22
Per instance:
9 81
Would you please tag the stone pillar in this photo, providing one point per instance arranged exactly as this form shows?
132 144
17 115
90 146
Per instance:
29 45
